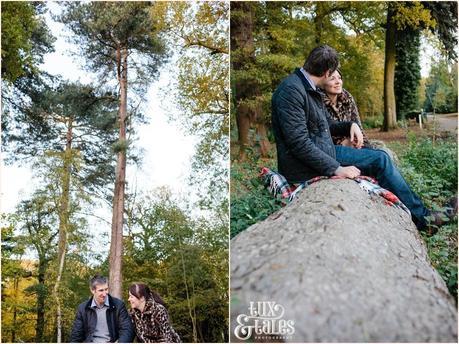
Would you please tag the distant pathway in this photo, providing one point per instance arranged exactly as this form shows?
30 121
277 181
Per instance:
446 122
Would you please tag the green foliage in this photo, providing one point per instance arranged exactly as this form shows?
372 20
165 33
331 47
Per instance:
372 122
251 203
442 249
445 15
412 15
407 72
33 229
285 32
103 29
25 39
184 259
120 146
431 170
199 34
442 87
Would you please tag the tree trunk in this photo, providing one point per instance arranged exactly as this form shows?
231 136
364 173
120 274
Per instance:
346 267
390 114
63 225
265 145
243 127
242 46
15 312
190 308
116 243
41 297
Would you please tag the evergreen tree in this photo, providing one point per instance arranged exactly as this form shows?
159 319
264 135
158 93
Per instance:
117 37
407 72
25 39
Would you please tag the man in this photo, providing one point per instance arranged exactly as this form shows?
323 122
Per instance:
102 319
305 148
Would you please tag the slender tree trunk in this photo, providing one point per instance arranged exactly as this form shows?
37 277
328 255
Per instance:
116 244
190 310
198 328
15 312
390 114
63 225
42 266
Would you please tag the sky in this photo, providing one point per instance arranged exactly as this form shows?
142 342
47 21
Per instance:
167 150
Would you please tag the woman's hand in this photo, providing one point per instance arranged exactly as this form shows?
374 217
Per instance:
356 136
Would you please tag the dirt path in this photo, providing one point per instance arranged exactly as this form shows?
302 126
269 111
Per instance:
444 125
447 122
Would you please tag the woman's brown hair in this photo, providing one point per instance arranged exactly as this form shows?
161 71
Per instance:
141 289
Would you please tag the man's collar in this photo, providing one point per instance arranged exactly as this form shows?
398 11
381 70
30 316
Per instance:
308 78
94 304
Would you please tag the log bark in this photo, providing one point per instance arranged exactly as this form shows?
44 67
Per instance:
346 268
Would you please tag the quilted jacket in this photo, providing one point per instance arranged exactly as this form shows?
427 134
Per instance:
302 128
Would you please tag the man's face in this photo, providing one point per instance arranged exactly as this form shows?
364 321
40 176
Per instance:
100 293
322 81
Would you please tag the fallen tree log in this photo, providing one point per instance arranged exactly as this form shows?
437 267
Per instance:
342 267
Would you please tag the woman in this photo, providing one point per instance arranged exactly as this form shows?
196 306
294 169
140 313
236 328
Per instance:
341 106
150 317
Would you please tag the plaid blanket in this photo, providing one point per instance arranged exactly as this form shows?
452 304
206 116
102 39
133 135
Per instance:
283 191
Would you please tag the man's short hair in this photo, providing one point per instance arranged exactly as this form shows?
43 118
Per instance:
321 59
97 280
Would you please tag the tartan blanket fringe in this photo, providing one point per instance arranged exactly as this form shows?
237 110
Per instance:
279 187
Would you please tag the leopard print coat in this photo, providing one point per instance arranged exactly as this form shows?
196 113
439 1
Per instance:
152 325
344 110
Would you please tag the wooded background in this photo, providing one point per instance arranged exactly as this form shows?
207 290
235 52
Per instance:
379 45
80 139
380 53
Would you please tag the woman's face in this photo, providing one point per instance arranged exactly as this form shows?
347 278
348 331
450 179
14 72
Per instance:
135 302
334 84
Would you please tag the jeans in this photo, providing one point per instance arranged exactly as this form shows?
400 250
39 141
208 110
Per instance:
376 163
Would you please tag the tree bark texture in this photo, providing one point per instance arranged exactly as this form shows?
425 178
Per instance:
41 298
246 116
63 225
346 267
116 242
390 114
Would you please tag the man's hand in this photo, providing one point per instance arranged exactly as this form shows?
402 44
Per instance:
356 136
348 172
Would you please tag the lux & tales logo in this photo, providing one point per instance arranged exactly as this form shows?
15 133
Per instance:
264 321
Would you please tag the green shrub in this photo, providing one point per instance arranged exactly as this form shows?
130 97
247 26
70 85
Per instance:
431 169
251 208
251 202
372 122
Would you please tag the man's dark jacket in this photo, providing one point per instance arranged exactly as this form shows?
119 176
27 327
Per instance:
118 320
302 128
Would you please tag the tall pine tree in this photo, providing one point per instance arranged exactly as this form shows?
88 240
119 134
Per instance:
119 42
